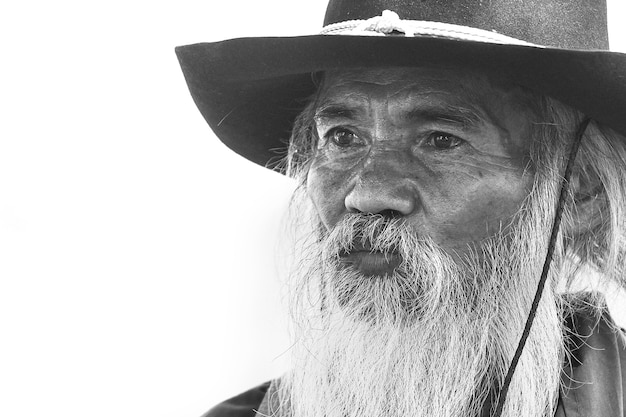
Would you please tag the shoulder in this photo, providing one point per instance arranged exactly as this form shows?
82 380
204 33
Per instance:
591 333
242 405
595 372
591 327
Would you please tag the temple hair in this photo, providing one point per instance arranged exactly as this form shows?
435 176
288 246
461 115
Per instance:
601 161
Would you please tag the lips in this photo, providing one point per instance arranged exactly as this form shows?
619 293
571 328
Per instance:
370 262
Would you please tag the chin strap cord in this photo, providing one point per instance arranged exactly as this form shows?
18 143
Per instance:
546 265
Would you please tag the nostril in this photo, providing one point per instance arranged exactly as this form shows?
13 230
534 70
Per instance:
390 214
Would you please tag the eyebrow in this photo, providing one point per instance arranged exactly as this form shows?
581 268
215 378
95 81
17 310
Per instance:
464 117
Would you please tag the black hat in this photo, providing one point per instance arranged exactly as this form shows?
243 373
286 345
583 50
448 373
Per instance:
250 90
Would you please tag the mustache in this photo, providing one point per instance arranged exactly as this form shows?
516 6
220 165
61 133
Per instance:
425 280
416 285
368 232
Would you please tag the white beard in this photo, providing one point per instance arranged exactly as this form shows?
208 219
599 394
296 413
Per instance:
435 339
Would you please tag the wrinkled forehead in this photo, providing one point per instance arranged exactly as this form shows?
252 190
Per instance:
414 75
464 86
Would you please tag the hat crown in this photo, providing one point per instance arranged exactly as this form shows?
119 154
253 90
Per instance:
568 24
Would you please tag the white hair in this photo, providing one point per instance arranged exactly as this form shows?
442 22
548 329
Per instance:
438 337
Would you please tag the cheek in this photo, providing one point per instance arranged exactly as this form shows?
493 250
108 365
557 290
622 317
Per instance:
484 206
327 190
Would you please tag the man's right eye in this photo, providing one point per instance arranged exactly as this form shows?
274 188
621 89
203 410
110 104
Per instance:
343 138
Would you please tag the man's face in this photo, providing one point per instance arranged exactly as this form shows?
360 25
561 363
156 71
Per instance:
444 150
411 291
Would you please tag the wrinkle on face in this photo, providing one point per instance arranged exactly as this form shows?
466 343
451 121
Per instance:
466 193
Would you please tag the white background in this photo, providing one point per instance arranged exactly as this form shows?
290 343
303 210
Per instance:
137 271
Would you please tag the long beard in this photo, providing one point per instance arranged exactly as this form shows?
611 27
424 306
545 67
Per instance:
434 338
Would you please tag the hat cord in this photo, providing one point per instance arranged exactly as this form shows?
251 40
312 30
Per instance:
546 265
389 23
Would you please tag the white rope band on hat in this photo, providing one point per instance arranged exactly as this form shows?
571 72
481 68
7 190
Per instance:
389 22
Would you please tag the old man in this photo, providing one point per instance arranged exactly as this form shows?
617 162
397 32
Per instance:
459 163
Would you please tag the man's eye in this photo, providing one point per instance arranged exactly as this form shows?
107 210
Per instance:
442 140
343 138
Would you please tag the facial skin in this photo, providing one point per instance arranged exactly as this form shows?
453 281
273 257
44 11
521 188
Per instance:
445 150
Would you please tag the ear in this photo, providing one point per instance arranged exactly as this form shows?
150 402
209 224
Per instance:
589 202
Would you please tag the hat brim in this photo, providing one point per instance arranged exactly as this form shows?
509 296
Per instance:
250 90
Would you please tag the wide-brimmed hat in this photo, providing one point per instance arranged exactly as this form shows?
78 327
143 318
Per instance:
250 90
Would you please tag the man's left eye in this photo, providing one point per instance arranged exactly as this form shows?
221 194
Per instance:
441 140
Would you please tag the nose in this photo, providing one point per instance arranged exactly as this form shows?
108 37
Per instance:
375 195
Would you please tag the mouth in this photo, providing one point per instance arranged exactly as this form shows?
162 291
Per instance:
371 263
